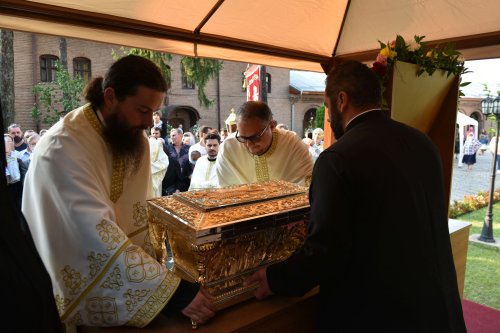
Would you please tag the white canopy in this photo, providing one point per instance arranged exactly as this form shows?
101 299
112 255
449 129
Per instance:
284 33
463 121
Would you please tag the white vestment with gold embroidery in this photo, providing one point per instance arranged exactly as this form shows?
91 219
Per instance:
159 165
204 175
287 159
89 223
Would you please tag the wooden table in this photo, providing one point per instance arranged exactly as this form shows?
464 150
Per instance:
275 314
278 314
459 237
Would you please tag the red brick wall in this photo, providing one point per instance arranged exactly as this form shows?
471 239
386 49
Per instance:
23 79
28 48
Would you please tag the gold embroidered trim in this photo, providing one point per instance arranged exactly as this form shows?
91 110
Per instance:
102 311
138 231
261 169
92 118
77 301
139 266
114 280
76 320
155 303
110 234
118 165
62 303
134 297
140 214
117 177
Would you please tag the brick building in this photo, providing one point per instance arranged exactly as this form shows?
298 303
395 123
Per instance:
472 107
34 55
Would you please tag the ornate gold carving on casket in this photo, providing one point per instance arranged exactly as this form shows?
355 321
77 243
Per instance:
217 237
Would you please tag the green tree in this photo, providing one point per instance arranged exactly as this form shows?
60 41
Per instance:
159 58
319 118
198 70
7 97
57 98
486 90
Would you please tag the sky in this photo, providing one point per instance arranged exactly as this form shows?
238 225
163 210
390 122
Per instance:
482 71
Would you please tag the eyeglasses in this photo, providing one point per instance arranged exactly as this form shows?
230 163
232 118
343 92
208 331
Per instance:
253 138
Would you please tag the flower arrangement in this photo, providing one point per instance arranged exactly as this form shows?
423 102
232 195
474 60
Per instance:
471 203
416 51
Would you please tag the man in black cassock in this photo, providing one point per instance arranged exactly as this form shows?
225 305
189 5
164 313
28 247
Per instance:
378 243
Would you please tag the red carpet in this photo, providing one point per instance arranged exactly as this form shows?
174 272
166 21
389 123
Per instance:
480 318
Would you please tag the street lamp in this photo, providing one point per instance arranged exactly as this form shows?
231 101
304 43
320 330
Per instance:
490 106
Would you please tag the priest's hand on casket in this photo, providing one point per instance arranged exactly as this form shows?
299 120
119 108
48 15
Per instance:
193 301
201 308
259 278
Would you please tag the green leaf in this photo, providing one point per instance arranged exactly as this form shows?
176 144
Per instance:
198 70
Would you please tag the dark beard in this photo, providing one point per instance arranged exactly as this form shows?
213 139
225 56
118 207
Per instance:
124 142
335 123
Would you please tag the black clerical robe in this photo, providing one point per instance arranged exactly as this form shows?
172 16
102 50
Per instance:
378 243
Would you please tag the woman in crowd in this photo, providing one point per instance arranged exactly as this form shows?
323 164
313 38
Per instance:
471 146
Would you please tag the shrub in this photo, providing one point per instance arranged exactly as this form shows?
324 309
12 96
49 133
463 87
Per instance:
471 203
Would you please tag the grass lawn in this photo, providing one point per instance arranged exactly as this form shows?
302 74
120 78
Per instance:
482 274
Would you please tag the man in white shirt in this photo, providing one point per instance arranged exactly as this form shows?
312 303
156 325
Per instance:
204 175
159 124
316 147
31 141
200 146
260 152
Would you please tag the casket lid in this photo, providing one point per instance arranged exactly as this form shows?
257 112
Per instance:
210 208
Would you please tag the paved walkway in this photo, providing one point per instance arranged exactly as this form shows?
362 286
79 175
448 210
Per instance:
471 182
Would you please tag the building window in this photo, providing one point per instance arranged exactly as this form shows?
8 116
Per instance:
186 83
81 67
244 82
48 67
268 82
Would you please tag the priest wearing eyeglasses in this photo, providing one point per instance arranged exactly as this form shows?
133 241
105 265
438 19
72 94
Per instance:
259 152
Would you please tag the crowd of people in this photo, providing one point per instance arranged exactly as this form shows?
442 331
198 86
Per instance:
19 147
189 161
182 152
87 184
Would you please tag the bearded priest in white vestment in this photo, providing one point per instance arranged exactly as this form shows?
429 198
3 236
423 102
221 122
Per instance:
204 175
260 152
85 203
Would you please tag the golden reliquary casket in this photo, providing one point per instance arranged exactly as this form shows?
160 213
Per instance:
217 237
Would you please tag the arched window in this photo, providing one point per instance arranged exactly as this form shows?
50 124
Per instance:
48 67
82 68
